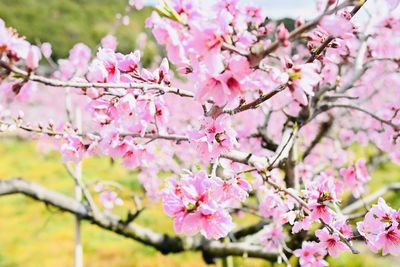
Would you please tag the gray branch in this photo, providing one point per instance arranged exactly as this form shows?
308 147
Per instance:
162 242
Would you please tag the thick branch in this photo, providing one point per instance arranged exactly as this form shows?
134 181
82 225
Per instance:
162 242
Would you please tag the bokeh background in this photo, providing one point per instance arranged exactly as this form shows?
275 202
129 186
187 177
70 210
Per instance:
33 235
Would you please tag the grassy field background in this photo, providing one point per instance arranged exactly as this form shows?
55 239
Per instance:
64 23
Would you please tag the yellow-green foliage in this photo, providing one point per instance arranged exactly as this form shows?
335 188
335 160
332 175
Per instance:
64 23
32 234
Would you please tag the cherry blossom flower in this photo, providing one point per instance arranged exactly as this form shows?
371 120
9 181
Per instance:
331 242
109 42
73 149
380 229
311 254
196 204
302 79
337 26
33 57
215 137
273 237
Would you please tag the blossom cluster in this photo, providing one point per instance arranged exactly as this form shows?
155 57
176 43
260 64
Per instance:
200 204
380 228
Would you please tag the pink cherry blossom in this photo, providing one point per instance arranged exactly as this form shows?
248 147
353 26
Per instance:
337 26
73 149
380 229
311 254
215 137
273 237
302 79
196 204
109 42
331 242
46 49
33 57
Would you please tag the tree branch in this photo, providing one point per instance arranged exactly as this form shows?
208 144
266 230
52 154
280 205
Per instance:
131 85
298 32
326 107
323 130
372 197
162 242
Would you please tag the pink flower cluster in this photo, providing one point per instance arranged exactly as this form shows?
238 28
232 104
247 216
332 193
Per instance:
107 197
355 177
200 204
215 137
224 77
381 229
311 254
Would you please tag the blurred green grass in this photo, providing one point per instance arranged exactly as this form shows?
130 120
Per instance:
35 235
64 23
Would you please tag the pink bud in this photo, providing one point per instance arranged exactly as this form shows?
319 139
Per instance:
109 41
331 2
287 62
163 70
33 57
283 34
299 22
46 50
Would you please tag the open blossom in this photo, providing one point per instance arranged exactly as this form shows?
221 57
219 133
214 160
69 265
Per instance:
133 154
214 138
109 60
223 87
79 56
73 149
273 206
273 237
322 190
167 33
129 62
380 228
337 26
15 47
198 204
311 254
302 79
233 191
321 211
302 223
331 242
